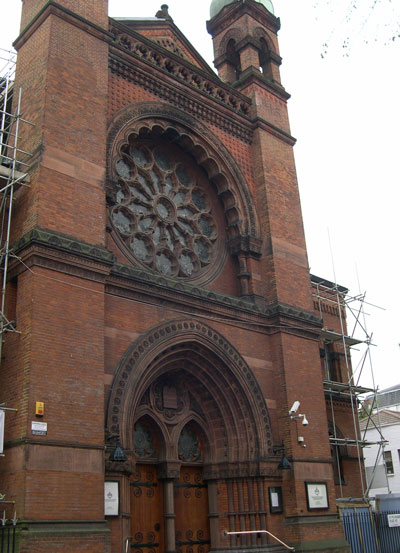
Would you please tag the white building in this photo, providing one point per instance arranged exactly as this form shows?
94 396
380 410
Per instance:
383 472
389 398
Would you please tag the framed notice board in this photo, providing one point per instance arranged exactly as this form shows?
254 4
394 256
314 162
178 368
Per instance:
317 495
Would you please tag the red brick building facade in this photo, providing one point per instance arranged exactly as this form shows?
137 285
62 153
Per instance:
164 301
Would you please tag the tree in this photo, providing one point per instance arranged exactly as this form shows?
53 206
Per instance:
358 21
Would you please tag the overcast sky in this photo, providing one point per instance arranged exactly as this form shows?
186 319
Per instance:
345 114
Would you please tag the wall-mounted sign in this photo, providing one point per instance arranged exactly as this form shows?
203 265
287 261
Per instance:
111 499
2 416
393 520
275 499
38 428
317 495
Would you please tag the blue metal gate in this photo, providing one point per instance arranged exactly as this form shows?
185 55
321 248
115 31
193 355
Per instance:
359 529
369 532
389 538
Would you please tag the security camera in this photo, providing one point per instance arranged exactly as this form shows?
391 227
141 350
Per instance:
294 407
304 421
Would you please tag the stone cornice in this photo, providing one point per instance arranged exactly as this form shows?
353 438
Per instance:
152 285
155 285
62 528
53 8
195 99
179 68
51 443
65 254
50 250
252 76
136 26
64 243
260 123
203 95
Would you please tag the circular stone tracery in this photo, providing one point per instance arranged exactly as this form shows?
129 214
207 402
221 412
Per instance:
162 213
165 209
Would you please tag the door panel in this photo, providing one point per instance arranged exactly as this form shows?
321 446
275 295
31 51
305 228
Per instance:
191 510
146 511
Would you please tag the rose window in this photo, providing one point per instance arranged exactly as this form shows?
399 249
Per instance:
162 213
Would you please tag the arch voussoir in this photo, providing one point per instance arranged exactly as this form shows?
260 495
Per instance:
217 376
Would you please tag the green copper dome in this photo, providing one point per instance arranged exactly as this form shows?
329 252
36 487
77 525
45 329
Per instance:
218 5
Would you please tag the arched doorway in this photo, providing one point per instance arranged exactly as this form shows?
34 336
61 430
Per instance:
192 531
168 495
146 491
195 423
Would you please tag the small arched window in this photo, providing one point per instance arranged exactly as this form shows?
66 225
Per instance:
234 58
145 440
265 59
190 447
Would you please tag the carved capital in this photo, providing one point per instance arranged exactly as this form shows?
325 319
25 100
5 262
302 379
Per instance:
113 467
169 470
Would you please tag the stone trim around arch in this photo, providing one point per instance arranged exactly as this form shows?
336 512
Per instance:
234 33
209 152
136 372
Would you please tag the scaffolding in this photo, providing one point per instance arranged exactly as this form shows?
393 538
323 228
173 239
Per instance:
13 174
351 311
13 167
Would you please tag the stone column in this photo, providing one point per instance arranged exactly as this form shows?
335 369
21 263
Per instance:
168 472
213 515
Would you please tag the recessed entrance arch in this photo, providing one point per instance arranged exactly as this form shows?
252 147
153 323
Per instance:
189 412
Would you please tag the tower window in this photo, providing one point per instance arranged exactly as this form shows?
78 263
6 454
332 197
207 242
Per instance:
265 59
234 58
330 363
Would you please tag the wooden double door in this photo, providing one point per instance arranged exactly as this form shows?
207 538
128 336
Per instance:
160 508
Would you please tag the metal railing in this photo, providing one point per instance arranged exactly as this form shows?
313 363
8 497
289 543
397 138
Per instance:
226 533
249 532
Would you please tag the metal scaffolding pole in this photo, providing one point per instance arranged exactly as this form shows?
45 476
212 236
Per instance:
331 293
12 173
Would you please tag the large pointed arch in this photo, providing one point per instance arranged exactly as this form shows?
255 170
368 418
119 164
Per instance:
237 420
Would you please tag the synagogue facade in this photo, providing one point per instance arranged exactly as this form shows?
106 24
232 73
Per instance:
162 295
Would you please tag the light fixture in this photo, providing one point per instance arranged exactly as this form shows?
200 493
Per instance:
305 421
118 454
284 463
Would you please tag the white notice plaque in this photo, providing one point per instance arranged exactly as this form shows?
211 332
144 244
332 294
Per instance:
274 499
111 499
394 520
39 428
317 495
1 430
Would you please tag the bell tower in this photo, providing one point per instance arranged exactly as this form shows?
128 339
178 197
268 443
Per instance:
56 477
246 49
247 56
244 37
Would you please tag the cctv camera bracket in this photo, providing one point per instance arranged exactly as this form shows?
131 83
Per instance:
300 416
